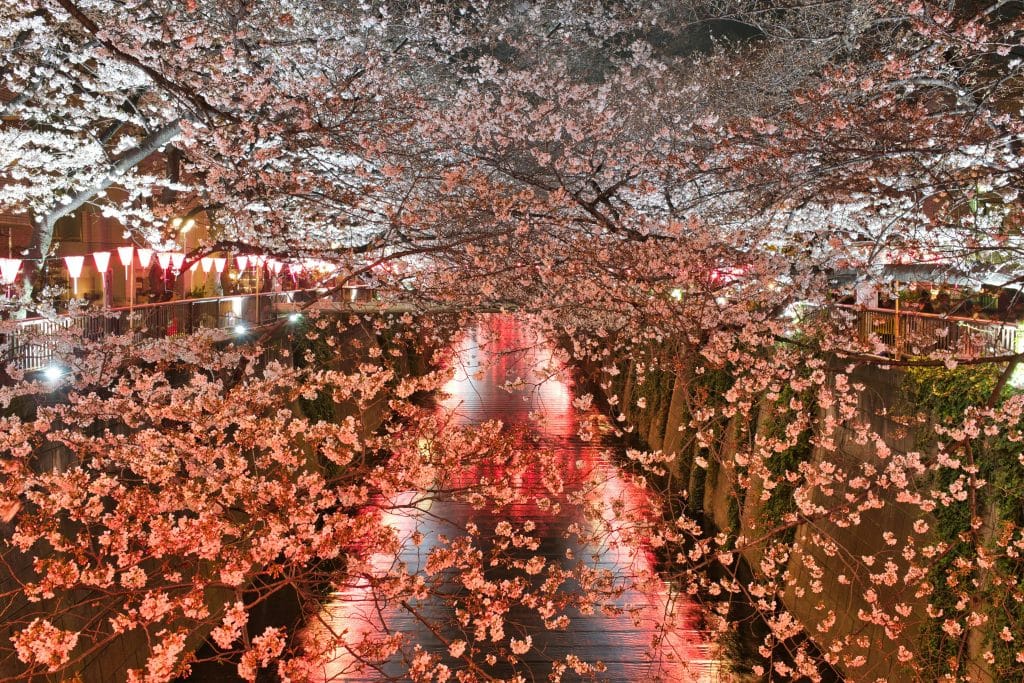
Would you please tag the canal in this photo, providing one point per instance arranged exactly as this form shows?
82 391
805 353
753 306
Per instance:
503 371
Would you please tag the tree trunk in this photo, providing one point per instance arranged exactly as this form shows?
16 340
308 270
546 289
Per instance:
42 226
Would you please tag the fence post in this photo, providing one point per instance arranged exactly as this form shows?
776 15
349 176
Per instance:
896 331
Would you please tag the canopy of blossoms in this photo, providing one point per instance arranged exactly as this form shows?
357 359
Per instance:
656 187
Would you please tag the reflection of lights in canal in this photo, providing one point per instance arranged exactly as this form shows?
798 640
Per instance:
618 541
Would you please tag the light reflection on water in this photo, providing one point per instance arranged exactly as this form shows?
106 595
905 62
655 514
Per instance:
498 350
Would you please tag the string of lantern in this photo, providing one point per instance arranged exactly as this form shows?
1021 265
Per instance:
167 261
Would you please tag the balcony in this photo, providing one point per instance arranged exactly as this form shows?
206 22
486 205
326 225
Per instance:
911 333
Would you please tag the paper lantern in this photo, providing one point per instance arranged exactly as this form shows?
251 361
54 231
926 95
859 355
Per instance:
145 255
74 264
125 255
164 259
177 258
207 263
242 262
193 267
9 268
102 259
219 264
276 266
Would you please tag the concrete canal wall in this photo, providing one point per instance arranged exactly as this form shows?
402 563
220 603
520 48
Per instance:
821 587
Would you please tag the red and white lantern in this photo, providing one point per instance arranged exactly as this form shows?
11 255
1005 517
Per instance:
125 255
9 268
102 259
75 264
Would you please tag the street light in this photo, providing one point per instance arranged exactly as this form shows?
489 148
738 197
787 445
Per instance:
53 373
183 224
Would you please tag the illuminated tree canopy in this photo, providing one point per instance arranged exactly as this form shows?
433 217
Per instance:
666 191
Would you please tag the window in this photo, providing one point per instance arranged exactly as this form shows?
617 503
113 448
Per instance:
68 228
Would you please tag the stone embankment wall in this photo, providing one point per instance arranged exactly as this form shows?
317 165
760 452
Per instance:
823 587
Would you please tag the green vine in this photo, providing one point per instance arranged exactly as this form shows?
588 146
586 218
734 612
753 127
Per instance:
944 396
773 426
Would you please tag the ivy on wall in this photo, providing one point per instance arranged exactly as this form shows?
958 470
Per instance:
943 396
773 425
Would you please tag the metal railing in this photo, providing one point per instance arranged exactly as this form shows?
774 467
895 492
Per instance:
34 343
915 333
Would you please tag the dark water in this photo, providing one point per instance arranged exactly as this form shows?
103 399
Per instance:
499 349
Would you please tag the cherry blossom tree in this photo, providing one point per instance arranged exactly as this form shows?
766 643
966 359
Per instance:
657 187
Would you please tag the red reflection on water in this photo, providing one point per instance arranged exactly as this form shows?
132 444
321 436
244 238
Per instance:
540 414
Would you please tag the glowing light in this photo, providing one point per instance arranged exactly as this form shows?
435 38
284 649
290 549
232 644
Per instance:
177 258
727 275
53 373
242 262
219 264
677 294
124 254
294 317
240 330
145 256
74 264
207 263
164 259
102 259
9 270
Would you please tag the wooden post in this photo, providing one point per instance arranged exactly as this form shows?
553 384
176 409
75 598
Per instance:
896 330
258 269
